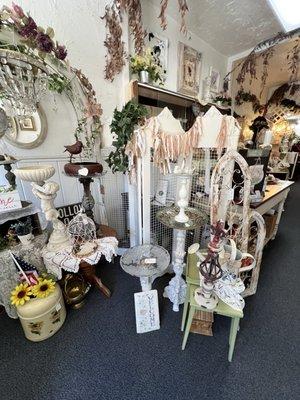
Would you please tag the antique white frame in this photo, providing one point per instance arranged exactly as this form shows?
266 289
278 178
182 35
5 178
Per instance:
186 52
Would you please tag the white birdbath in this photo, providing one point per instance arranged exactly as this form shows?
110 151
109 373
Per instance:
176 289
46 192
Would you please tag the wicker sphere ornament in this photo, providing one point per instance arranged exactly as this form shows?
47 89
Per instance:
82 231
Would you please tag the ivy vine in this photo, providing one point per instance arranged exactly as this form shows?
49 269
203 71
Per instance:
123 124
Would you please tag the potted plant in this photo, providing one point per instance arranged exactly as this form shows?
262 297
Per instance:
23 230
148 67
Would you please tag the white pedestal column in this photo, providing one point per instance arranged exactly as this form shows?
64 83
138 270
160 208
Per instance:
176 290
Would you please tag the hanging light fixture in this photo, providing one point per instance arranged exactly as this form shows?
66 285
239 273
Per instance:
23 82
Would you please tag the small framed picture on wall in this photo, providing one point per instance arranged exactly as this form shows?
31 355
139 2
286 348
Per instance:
160 48
214 80
189 70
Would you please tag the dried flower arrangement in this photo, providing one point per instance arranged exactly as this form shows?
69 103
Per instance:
92 113
116 55
134 11
244 97
182 8
162 14
293 59
265 50
147 62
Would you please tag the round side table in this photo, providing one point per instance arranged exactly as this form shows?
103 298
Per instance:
145 262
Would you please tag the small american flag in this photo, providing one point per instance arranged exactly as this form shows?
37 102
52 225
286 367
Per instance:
29 270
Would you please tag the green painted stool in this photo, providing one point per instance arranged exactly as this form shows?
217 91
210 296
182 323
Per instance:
191 278
221 309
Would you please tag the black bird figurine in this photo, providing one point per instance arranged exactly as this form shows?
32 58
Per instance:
75 148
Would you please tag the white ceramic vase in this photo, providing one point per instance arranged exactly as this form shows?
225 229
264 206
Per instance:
25 239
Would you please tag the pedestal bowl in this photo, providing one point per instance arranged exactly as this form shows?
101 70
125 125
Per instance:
35 173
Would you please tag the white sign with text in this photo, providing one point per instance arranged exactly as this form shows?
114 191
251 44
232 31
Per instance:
146 311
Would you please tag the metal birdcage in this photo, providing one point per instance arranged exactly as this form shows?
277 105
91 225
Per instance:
82 231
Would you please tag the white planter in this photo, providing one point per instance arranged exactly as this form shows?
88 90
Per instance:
25 239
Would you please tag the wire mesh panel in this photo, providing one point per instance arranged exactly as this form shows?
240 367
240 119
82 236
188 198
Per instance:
163 194
115 200
203 163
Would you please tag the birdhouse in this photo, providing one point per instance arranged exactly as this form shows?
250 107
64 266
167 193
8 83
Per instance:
82 231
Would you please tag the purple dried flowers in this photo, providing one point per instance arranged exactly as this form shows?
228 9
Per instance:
28 30
44 42
60 52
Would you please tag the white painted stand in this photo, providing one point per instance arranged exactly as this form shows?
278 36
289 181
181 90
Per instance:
176 290
146 283
47 193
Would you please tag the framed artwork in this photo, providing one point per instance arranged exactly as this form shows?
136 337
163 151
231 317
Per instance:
189 70
160 48
214 80
146 311
27 124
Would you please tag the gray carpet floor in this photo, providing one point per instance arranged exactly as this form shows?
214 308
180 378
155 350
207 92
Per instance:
98 355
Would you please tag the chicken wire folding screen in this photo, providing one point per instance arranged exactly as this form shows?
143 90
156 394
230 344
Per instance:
120 214
131 208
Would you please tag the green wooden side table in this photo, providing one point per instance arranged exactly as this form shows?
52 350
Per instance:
221 309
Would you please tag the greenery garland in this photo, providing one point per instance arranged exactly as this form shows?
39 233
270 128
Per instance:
122 126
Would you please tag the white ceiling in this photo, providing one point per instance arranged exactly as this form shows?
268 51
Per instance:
230 26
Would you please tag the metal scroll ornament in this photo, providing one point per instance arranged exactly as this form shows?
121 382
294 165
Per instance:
210 268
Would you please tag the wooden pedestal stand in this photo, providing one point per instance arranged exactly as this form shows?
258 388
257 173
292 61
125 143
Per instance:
89 271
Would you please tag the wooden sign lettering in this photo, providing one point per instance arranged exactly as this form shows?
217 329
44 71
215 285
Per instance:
66 213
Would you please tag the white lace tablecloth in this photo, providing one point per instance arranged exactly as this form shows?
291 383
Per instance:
64 259
9 274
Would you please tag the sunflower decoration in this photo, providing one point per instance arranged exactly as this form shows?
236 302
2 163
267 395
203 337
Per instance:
21 294
43 288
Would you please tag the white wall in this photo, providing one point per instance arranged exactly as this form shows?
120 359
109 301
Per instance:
210 57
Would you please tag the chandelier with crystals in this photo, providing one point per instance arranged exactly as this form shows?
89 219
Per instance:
23 82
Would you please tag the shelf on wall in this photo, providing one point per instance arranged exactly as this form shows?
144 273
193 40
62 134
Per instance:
158 97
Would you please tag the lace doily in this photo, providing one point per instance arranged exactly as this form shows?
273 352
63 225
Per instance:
64 259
